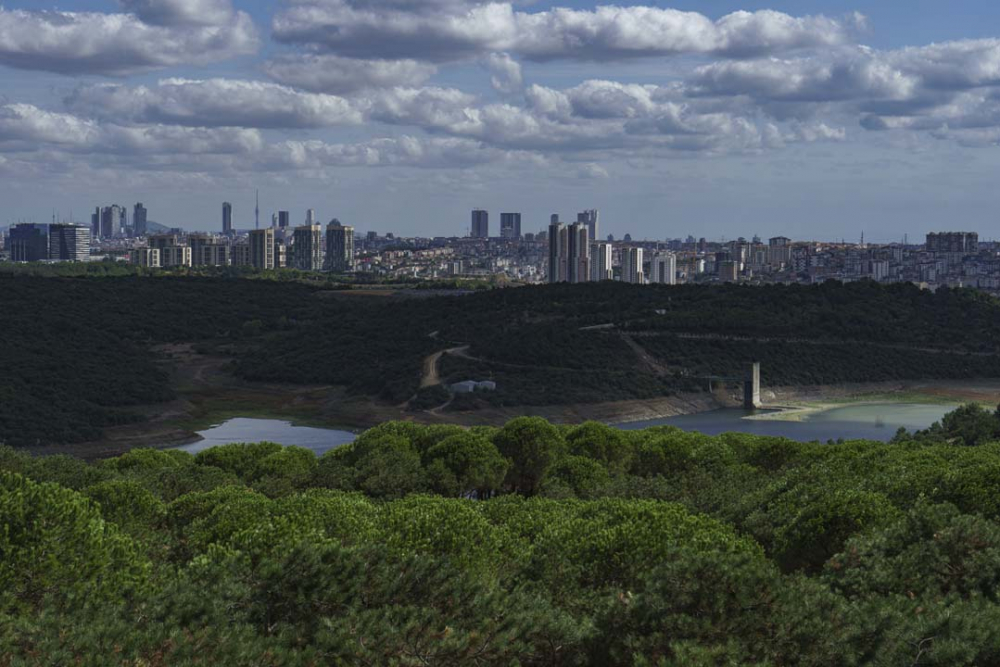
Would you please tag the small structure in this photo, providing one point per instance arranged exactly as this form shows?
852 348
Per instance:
469 386
751 388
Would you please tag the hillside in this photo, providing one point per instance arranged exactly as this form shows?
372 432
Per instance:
77 355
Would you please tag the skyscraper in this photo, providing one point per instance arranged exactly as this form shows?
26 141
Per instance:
510 225
95 223
558 251
283 219
227 218
112 218
311 217
589 218
632 266
339 247
578 254
29 242
262 248
480 224
307 251
256 210
600 262
69 243
139 220
663 268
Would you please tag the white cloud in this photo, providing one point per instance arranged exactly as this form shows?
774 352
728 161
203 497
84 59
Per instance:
452 30
337 75
505 73
180 12
116 44
214 103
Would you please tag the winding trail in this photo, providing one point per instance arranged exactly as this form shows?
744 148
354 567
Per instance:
432 365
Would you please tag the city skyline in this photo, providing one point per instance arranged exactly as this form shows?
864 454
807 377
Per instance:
729 117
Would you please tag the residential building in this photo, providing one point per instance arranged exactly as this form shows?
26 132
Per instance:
262 248
632 271
69 243
161 241
600 262
966 243
590 218
558 238
146 257
339 247
307 248
663 268
175 255
578 261
240 254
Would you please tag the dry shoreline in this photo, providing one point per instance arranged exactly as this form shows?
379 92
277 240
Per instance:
176 423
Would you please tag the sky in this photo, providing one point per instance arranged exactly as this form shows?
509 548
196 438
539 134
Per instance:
813 119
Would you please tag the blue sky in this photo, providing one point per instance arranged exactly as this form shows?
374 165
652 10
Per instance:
816 119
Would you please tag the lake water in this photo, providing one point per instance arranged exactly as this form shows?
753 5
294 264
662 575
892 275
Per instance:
851 422
270 430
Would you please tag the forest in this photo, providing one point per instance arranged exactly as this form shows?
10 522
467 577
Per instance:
79 350
529 544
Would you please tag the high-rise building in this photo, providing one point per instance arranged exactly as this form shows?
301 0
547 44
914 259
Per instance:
29 242
175 255
210 254
161 241
147 257
480 224
578 261
198 243
283 219
558 237
112 221
510 225
663 268
339 247
139 220
227 218
600 262
311 217
590 218
307 249
262 248
954 242
95 223
729 270
632 271
69 243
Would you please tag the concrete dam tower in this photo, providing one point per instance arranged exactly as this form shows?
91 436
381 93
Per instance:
751 388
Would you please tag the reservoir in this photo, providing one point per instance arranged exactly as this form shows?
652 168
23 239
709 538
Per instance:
878 421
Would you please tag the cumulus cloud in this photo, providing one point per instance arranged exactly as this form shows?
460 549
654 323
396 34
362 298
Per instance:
505 73
448 30
26 127
214 103
180 12
337 75
118 44
918 88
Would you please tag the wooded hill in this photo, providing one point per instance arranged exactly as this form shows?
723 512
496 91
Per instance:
76 354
